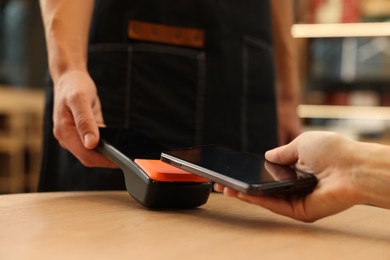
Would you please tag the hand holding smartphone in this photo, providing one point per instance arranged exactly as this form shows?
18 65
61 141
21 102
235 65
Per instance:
240 171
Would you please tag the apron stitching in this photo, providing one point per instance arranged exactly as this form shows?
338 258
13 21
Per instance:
128 88
166 50
244 140
257 43
170 50
107 47
199 121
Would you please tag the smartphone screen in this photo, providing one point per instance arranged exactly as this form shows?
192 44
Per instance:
241 171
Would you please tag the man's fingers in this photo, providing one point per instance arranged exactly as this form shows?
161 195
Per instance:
85 121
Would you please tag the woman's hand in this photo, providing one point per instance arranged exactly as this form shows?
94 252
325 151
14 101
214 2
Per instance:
327 155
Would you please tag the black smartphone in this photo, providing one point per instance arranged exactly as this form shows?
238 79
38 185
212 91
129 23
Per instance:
241 171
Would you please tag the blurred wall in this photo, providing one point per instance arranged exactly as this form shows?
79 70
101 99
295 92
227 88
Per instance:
22 46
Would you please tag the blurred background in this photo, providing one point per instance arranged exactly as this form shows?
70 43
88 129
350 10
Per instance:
344 61
344 56
23 72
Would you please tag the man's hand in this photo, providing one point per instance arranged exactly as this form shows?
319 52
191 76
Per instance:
77 116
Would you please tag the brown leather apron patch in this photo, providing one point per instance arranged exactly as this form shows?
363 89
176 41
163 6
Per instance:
182 36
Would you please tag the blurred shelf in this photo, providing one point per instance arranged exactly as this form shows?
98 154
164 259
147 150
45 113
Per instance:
21 111
341 30
344 112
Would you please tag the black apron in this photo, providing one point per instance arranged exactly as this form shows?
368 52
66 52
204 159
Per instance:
173 95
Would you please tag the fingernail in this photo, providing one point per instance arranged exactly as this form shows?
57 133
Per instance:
225 191
88 138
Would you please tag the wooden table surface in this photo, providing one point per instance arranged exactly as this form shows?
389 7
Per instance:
111 225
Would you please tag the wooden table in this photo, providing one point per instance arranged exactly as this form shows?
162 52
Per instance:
111 225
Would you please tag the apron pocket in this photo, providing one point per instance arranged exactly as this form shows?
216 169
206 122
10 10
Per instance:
107 65
259 108
155 89
166 86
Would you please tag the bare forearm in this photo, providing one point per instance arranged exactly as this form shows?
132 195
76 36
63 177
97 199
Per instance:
66 25
372 173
